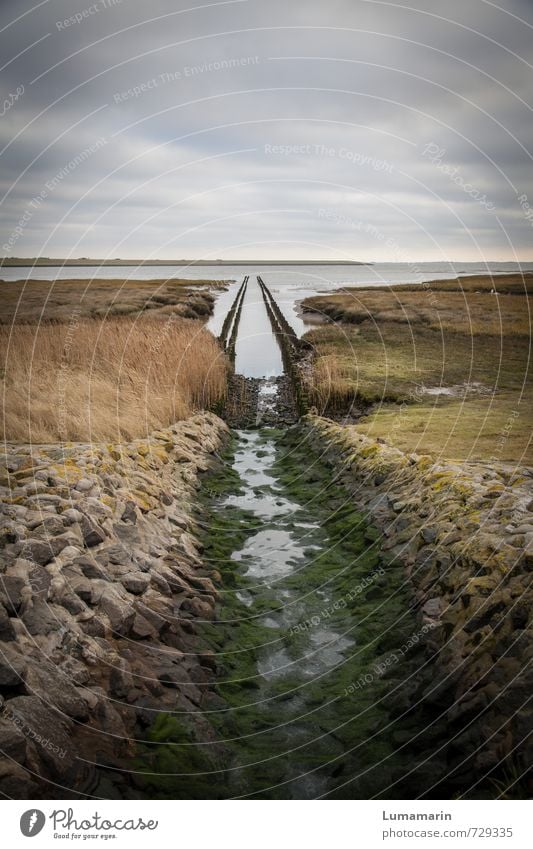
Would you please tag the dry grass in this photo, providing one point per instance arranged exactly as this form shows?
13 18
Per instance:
475 313
504 284
389 346
113 380
32 301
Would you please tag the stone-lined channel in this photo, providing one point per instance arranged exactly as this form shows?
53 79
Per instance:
306 635
295 559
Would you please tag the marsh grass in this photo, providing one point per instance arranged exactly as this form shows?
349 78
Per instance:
32 301
388 346
114 379
473 313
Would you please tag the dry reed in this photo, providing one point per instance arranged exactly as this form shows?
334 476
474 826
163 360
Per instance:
116 379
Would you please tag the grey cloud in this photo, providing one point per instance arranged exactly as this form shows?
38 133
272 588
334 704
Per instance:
146 186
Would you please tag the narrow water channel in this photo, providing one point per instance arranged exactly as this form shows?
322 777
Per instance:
298 646
310 619
308 609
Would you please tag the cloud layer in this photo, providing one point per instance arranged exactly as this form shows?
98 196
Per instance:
348 129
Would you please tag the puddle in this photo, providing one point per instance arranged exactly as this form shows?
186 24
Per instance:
457 391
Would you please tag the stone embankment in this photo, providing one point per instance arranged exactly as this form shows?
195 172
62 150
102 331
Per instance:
464 532
101 584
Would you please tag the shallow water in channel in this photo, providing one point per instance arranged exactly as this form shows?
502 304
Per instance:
273 563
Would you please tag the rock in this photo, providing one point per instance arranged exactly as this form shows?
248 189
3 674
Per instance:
39 580
208 660
135 582
94 627
160 584
190 545
73 603
48 732
524 529
81 586
53 686
173 676
7 632
485 615
38 551
76 672
90 568
39 619
450 537
58 643
142 629
11 588
84 485
12 533
121 615
71 515
432 608
198 608
44 502
528 557
12 741
33 519
520 616
50 526
12 668
115 553
120 679
159 616
429 534
91 532
129 514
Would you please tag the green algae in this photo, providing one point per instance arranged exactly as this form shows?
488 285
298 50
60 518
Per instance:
332 726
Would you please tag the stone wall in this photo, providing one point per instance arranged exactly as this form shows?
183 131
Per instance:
101 583
464 532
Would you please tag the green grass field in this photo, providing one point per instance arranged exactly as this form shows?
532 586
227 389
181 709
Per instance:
440 371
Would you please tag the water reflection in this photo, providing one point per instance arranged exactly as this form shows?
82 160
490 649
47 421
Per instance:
257 351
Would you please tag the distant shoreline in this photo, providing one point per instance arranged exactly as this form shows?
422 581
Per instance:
42 262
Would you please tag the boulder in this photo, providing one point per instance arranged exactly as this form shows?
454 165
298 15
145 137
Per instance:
121 679
40 618
39 551
11 592
50 526
129 514
7 632
54 687
12 741
12 667
48 732
429 534
90 568
118 610
142 629
92 533
135 582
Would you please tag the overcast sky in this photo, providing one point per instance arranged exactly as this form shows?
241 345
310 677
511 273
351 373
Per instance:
336 129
